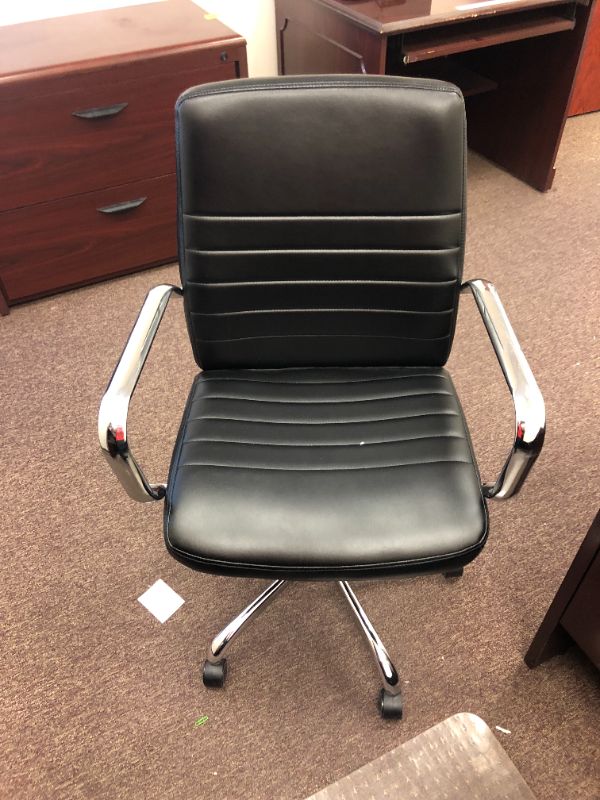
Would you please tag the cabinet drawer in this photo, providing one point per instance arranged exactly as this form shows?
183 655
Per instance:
125 132
69 242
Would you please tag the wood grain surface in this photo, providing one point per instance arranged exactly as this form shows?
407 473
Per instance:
111 36
62 155
586 95
49 153
68 242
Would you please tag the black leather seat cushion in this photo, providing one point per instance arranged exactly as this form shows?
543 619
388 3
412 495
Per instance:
324 473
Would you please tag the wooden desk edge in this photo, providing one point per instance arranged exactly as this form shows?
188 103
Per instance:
421 22
91 65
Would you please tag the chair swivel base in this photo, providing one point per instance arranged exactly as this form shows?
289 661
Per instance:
214 670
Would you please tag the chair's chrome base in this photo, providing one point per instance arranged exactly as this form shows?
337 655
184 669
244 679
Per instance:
220 644
387 671
215 667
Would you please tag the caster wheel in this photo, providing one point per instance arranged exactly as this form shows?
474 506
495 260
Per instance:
390 705
454 573
213 675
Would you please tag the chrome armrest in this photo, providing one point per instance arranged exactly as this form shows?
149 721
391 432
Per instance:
530 415
112 417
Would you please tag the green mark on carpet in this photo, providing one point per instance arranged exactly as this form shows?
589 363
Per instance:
200 721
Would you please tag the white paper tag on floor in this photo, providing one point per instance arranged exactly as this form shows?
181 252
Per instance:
161 600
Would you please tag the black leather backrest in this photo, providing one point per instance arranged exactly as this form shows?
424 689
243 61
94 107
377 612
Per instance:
321 220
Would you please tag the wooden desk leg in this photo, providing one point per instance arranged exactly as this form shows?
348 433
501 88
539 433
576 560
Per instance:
550 640
520 124
551 637
4 309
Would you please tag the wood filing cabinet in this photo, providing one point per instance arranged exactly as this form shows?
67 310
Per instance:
87 153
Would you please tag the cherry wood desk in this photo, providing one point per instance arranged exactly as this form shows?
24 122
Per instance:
515 61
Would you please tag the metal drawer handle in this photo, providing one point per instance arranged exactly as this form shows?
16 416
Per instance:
100 112
120 208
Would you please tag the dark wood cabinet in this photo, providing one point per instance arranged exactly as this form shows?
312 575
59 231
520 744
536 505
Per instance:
87 154
515 62
574 614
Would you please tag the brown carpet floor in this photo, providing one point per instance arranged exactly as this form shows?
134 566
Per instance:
98 700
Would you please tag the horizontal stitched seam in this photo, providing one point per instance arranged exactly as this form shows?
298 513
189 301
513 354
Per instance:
424 86
327 469
326 444
327 217
322 422
320 402
318 311
324 282
328 336
206 377
362 251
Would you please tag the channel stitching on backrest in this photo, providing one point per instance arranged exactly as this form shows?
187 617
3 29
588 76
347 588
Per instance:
321 220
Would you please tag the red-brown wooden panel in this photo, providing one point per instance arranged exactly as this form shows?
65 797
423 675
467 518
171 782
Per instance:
314 39
73 43
520 125
69 242
586 94
437 42
48 153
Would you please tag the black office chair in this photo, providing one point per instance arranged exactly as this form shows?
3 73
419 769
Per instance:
321 237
